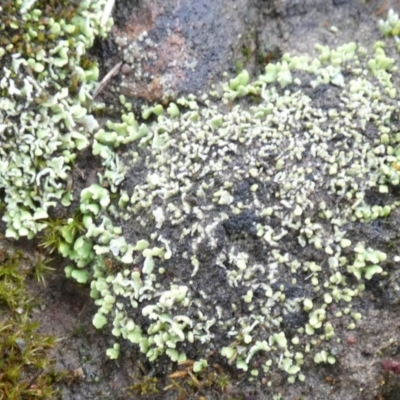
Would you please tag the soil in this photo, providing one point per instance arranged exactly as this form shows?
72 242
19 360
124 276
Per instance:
190 45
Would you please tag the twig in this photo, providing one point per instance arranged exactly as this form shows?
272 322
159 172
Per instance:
107 12
114 70
34 378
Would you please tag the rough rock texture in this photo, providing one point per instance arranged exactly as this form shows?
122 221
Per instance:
178 46
174 47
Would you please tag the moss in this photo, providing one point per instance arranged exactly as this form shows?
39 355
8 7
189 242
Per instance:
42 267
146 385
61 232
26 370
143 383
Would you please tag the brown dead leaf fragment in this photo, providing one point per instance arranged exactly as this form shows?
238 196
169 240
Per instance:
179 374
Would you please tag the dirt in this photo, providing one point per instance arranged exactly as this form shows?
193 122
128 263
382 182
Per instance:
190 45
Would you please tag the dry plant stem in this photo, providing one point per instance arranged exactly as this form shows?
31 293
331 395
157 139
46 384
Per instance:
107 78
34 378
107 11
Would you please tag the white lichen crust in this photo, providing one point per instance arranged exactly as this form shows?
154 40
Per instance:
235 212
224 222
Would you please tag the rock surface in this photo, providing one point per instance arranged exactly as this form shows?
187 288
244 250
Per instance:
175 47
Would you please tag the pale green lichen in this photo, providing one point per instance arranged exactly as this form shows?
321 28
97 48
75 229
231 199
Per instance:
268 125
214 183
54 124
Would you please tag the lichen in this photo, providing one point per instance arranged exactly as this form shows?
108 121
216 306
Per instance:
44 122
255 205
237 231
239 200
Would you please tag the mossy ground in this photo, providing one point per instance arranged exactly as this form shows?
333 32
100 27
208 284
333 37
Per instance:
26 369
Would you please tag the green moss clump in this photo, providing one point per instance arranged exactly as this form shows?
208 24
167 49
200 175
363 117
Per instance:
25 367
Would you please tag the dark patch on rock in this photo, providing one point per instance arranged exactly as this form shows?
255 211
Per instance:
378 288
124 9
324 96
293 291
374 198
243 223
241 191
294 321
104 49
187 45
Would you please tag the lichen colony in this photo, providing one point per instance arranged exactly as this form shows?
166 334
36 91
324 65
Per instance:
228 217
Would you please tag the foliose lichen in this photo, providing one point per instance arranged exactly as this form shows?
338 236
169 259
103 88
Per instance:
45 96
236 231
238 223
